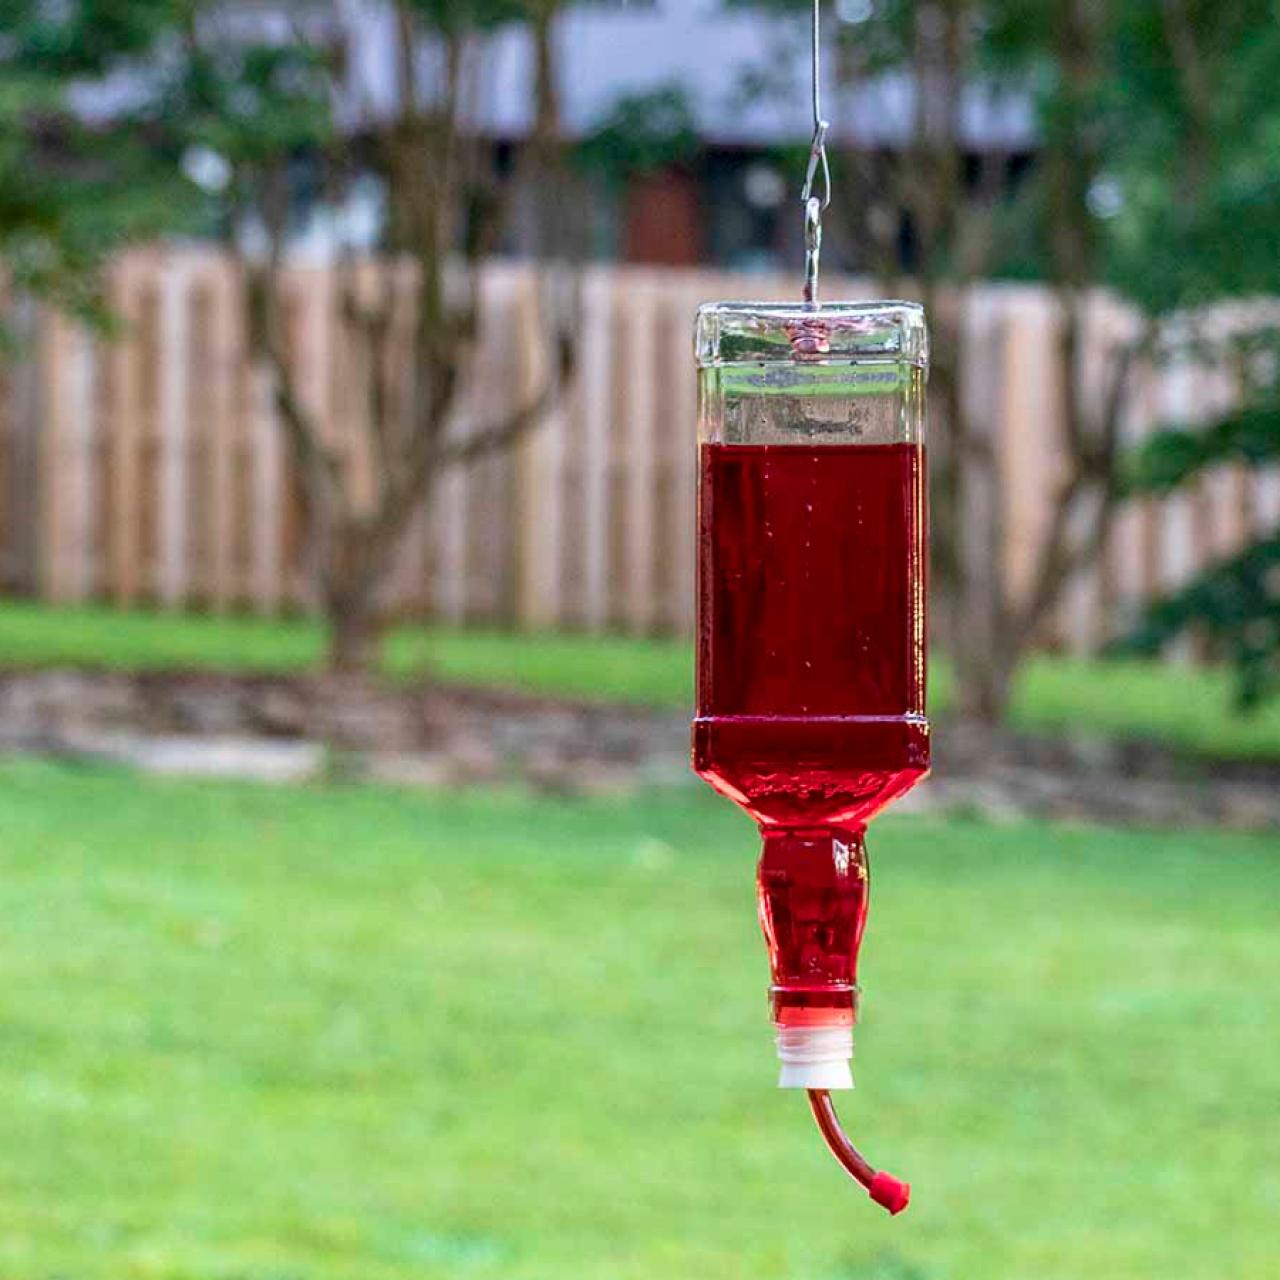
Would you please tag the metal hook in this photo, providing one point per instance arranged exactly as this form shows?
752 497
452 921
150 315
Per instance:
818 160
812 248
816 206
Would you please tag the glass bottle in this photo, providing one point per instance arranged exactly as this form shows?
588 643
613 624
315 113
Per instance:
812 626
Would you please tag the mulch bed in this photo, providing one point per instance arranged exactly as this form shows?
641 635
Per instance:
299 727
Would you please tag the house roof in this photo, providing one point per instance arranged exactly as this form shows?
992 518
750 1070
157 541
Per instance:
610 51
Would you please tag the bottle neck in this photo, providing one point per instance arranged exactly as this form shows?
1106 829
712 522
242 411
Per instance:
813 894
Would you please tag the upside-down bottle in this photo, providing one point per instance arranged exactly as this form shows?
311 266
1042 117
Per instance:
811 651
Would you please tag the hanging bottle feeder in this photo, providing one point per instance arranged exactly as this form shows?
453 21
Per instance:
811 652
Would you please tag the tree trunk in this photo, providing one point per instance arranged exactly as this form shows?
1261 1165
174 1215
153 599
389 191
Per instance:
986 647
983 677
354 571
355 631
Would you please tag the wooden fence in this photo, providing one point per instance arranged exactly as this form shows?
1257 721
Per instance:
150 469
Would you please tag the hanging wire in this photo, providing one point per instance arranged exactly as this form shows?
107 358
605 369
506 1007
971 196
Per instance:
815 205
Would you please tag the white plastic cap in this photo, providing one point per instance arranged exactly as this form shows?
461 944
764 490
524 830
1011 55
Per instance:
815 1057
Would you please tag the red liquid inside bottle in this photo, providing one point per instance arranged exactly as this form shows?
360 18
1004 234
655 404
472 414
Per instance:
811 691
812 663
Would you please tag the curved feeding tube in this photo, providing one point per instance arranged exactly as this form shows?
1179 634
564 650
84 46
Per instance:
886 1190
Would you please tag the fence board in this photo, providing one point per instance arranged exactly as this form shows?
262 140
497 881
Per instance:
1031 439
174 437
22 419
540 456
154 466
596 361
677 378
226 318
52 355
267 495
641 376
989 346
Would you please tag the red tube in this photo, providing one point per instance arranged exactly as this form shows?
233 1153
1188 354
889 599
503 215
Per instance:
886 1190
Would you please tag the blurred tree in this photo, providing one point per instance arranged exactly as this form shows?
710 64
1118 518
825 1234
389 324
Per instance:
1192 235
260 107
1236 602
1155 163
73 184
643 133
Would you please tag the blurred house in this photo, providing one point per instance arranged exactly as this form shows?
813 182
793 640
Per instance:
732 202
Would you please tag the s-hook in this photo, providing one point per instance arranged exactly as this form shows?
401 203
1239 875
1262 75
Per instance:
815 205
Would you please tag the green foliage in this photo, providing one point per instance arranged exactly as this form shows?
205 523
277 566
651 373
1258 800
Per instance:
73 186
1236 603
643 133
1175 455
256 105
458 16
1185 125
1192 151
76 184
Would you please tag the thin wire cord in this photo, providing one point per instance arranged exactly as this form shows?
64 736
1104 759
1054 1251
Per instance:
815 206
817 64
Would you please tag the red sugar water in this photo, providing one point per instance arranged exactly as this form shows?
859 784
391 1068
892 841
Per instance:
811 664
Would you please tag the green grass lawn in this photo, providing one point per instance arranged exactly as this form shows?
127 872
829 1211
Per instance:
260 1034
1189 708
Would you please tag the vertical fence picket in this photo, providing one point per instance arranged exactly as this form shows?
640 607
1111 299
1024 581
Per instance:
411 591
452 512
552 435
1266 500
226 338
639 454
173 544
1082 612
80 463
124 445
21 496
596 361
267 493
1031 441
1229 514
51 354
681 378
990 346
1128 554
1177 549
540 463
452 516
313 359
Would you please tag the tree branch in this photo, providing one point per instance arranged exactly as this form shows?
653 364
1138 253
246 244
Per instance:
503 433
371 327
1094 474
1189 61
263 299
300 429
